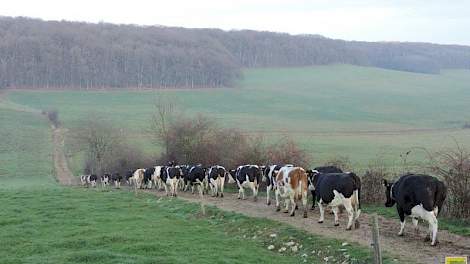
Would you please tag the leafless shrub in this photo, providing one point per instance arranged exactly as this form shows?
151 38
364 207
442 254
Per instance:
53 116
453 165
105 149
339 161
287 152
200 140
371 181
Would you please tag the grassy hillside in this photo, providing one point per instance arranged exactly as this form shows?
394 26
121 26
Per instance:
355 111
25 150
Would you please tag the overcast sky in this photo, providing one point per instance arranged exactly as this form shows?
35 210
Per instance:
438 21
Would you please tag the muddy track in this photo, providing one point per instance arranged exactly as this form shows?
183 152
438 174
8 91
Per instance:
62 171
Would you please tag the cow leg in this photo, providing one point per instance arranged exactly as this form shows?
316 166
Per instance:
433 224
268 189
335 213
305 202
414 220
222 182
276 194
401 213
313 199
287 202
350 210
322 212
166 189
294 204
175 186
253 189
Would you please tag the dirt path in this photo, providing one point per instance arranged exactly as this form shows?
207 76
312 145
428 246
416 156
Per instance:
412 246
62 171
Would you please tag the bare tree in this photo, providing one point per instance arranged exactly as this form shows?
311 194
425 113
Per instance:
164 112
98 139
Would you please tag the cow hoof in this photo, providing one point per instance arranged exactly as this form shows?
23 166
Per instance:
320 222
278 209
255 199
293 214
268 203
296 207
400 234
238 198
337 224
427 238
286 211
348 229
313 208
305 214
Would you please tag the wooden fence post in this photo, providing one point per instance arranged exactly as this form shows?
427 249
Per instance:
376 240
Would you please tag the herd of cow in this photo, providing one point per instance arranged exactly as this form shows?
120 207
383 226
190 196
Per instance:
415 195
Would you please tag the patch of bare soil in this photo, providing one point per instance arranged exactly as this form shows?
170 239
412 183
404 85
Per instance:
410 247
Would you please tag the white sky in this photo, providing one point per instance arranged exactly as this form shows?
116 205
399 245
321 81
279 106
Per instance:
439 21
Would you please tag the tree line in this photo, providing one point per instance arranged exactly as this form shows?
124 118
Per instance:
59 54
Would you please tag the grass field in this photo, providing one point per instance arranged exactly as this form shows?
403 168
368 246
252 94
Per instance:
88 226
25 150
354 111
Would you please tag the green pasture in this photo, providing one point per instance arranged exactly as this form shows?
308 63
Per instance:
359 112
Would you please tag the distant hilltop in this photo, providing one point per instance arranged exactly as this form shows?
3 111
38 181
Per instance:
57 54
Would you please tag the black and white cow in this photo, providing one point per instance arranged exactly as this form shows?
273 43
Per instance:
128 177
184 180
88 180
197 176
419 196
170 176
247 176
269 175
311 174
84 180
148 173
117 179
216 180
105 179
334 189
156 177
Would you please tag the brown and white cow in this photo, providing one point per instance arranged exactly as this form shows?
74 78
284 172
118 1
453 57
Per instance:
292 184
138 178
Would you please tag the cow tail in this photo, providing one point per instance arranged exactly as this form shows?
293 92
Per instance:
440 195
357 186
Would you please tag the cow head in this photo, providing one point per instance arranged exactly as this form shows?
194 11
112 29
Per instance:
388 193
311 174
231 176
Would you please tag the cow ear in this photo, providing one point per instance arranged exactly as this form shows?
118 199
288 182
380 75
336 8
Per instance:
384 182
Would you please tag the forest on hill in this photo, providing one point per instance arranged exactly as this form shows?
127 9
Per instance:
75 55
